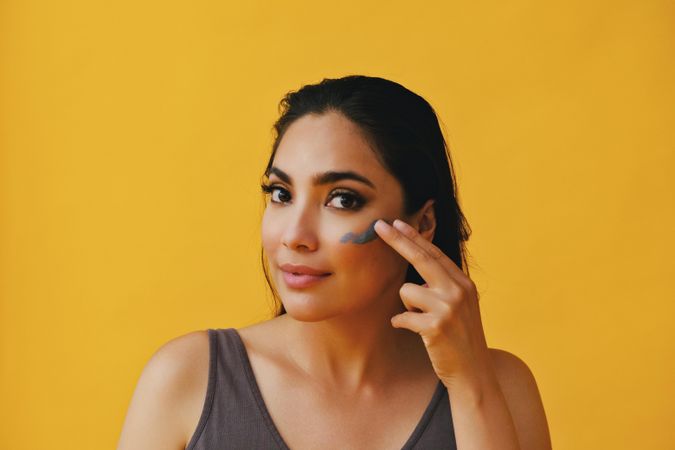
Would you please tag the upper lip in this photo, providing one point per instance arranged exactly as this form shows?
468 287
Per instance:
305 270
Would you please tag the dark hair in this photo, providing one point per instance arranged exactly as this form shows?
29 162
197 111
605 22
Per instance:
403 130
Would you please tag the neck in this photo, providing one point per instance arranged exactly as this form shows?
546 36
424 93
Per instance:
355 351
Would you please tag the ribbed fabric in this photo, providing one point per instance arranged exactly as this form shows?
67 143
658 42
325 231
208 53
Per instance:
234 415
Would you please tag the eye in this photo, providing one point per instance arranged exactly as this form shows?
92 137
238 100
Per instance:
283 196
348 200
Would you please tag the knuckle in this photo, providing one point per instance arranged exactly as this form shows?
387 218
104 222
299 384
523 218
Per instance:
446 308
461 291
435 327
435 253
456 295
420 256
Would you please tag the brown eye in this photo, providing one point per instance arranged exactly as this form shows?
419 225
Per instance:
346 200
282 197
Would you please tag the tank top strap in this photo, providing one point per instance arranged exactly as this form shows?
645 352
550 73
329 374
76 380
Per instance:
234 416
231 416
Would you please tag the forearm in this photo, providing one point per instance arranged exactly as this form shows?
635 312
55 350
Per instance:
480 416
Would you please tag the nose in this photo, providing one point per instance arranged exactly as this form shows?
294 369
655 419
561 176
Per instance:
299 229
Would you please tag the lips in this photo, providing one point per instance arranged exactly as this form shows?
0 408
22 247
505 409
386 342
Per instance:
300 277
303 270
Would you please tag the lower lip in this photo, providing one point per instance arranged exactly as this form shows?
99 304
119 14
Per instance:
303 280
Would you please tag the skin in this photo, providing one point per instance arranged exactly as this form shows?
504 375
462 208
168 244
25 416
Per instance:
361 352
338 330
343 331
362 238
447 318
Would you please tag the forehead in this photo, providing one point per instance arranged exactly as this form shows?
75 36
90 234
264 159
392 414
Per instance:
330 141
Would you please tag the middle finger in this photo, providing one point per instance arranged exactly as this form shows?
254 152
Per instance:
428 267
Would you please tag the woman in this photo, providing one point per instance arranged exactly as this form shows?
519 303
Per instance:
378 341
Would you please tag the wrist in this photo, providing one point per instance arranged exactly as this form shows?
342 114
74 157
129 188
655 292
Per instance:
473 388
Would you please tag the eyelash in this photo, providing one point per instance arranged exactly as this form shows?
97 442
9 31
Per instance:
358 200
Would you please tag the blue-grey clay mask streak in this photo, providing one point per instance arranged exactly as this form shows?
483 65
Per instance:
364 237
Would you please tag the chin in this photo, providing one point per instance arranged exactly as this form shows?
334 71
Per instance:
305 307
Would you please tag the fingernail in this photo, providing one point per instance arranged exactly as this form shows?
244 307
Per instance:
382 222
401 225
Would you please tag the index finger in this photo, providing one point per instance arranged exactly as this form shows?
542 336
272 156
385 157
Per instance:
427 266
434 251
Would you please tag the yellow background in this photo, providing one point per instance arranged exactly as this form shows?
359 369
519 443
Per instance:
133 135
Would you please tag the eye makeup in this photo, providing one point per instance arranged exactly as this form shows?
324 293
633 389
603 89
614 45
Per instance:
355 200
364 237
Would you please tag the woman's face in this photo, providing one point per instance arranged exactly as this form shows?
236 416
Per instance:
317 216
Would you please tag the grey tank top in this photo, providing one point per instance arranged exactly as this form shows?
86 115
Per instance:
234 415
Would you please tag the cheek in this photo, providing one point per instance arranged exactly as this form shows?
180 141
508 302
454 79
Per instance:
367 267
374 257
367 272
270 234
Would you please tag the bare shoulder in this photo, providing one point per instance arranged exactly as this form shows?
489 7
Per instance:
167 402
520 390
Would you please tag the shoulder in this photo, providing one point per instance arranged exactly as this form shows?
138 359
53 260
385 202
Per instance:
169 395
521 392
179 365
181 353
510 366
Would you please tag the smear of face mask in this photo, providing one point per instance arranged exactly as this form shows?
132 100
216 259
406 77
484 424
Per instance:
365 237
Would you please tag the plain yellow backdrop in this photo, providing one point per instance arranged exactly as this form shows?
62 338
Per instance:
133 135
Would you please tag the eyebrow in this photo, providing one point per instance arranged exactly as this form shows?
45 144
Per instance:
325 177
